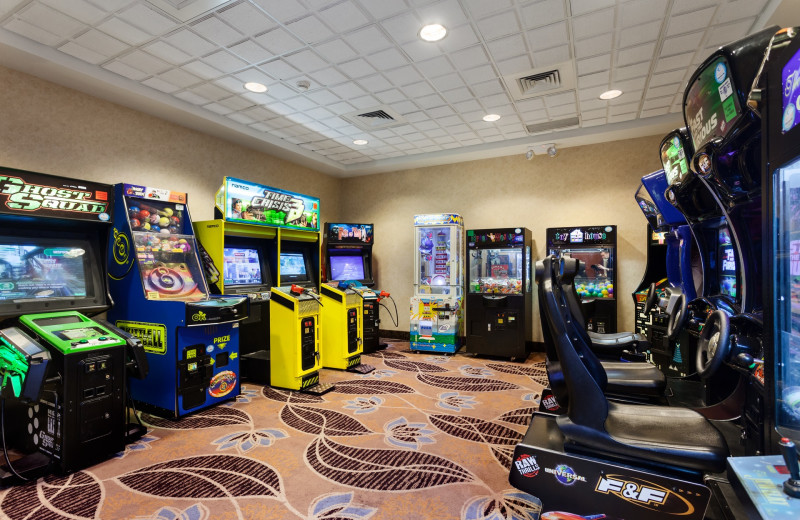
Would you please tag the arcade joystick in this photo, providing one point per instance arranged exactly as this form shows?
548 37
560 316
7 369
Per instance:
383 295
792 485
296 290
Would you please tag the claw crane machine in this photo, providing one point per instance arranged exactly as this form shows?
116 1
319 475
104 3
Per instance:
437 304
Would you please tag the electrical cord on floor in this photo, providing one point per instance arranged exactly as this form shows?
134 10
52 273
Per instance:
3 434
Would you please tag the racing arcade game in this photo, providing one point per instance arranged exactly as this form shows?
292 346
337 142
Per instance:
499 297
240 257
437 305
161 296
596 248
348 259
63 373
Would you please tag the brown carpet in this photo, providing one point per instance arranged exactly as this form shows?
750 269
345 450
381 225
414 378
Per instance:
422 437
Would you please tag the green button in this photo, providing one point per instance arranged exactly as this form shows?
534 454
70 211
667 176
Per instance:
83 341
102 338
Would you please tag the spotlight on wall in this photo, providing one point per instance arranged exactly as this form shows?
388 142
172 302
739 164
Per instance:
552 151
529 154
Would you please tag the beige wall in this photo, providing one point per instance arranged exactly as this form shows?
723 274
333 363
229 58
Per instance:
48 128
589 185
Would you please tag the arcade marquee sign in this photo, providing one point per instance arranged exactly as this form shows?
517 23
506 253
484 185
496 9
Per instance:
244 201
41 195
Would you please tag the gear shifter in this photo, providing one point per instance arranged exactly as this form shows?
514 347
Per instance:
792 485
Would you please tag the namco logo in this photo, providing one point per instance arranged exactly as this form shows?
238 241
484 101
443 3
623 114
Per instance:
645 494
526 465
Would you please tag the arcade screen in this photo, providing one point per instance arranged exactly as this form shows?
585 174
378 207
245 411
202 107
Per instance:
293 266
648 207
727 264
434 255
711 106
595 279
169 266
495 271
31 270
347 267
790 79
786 284
241 266
673 159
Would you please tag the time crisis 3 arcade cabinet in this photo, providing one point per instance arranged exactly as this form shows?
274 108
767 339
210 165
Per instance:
348 258
596 248
63 371
161 295
240 257
499 297
438 301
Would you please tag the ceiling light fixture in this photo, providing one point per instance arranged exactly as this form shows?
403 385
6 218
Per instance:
255 87
433 32
491 118
610 94
360 142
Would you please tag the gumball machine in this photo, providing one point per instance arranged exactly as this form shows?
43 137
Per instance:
157 282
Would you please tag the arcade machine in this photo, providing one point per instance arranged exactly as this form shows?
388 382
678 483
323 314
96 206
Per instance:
348 258
240 257
499 297
63 372
161 295
596 248
437 304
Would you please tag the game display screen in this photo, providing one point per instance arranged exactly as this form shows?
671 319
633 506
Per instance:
293 265
712 106
495 271
434 255
169 266
727 264
595 278
31 270
347 267
790 80
242 266
673 159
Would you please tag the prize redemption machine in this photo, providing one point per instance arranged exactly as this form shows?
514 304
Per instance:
499 298
596 248
63 373
436 307
161 295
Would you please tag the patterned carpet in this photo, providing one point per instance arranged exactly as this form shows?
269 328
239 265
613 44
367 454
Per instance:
422 437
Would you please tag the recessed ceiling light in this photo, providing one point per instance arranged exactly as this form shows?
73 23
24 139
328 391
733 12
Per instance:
255 87
610 94
433 32
490 118
360 142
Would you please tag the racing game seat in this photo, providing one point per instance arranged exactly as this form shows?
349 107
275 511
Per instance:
609 345
658 437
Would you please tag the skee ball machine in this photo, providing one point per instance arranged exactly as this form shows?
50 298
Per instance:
191 339
499 298
437 305
62 371
240 257
348 258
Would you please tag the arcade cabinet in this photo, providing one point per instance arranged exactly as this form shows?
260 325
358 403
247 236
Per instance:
161 295
63 373
596 248
499 297
437 304
240 257
348 258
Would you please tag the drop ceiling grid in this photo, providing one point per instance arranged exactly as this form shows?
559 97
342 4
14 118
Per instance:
360 53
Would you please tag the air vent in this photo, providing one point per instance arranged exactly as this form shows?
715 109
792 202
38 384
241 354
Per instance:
552 125
375 118
538 82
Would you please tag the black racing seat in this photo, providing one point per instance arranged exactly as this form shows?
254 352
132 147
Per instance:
669 438
608 345
619 378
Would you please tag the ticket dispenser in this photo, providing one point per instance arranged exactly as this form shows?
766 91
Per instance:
342 317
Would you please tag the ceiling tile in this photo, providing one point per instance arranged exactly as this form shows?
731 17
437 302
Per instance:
738 9
594 114
723 34
436 67
563 98
690 22
217 31
664 90
431 101
278 69
481 8
402 28
514 65
420 50
50 20
282 10
548 36
224 61
306 61
631 84
380 9
481 73
680 61
82 53
458 38
596 64
335 51
636 54
563 111
159 84
251 52
278 41
192 98
641 11
209 91
551 56
682 44
180 78
403 76
508 47
387 59
593 46
445 12
104 44
189 42
470 57
357 68
246 18
681 6
497 100
323 97
32 32
368 40
595 79
584 6
457 95
78 9
647 32
254 75
447 82
144 62
347 90
343 17
655 112
142 16
666 77
310 29
329 76
657 103
632 71
374 83
488 88
542 13
593 24
499 25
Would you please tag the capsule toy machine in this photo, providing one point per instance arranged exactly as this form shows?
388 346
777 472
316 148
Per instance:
348 259
437 305
499 297
63 372
240 257
596 248
156 278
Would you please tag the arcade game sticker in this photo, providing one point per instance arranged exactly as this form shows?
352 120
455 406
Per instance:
245 201
143 192
790 77
41 195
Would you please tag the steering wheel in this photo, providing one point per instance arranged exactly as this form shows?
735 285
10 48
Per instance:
677 317
652 298
714 344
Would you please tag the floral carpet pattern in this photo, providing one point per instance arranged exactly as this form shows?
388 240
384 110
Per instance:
422 437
